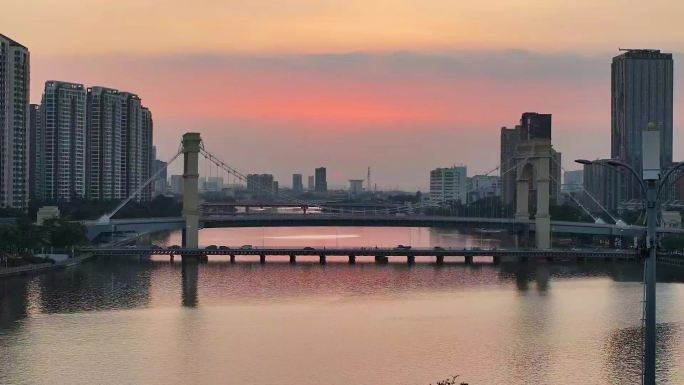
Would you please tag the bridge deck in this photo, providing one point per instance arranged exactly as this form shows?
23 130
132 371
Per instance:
370 251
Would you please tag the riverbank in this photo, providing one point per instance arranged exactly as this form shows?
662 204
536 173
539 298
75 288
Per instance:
43 267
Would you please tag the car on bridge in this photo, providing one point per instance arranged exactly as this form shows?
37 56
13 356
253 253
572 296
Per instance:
211 247
224 247
246 247
309 248
403 247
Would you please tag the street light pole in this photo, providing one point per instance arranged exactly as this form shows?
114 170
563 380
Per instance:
651 182
650 278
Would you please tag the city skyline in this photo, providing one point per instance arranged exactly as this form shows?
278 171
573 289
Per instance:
449 91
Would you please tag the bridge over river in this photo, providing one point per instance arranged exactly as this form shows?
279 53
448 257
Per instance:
380 255
148 225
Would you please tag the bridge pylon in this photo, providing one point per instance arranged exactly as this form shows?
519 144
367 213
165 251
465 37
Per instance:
191 149
533 157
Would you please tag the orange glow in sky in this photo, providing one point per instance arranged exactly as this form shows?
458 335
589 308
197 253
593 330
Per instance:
351 83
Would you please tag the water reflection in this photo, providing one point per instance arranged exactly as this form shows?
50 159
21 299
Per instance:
13 300
535 323
189 272
623 349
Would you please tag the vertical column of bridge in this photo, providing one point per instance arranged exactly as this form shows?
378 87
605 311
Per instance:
191 147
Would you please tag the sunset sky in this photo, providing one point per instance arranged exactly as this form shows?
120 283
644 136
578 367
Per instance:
402 86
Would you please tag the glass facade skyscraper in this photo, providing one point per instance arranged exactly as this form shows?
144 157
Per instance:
642 85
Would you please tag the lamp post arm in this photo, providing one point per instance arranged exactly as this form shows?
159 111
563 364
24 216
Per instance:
634 173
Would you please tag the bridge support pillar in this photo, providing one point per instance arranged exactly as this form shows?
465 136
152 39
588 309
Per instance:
262 259
496 259
523 259
352 259
468 259
381 259
550 259
322 260
232 258
190 258
293 259
410 259
191 147
171 257
440 259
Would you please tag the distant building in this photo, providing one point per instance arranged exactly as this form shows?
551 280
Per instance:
509 141
297 185
601 182
535 126
321 180
483 186
177 184
573 181
61 147
260 184
642 93
355 186
213 184
311 185
159 183
449 184
14 123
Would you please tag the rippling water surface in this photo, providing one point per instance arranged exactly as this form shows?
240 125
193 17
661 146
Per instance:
156 322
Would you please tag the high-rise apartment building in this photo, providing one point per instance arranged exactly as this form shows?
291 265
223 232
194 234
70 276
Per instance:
35 127
120 157
147 156
14 123
449 184
311 183
61 145
297 185
600 183
642 84
104 177
321 181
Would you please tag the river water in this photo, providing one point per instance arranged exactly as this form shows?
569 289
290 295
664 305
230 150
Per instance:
126 321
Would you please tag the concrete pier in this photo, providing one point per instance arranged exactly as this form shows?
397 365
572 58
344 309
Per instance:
232 258
262 259
293 259
352 259
381 259
191 147
468 259
410 259
496 260
322 259
439 259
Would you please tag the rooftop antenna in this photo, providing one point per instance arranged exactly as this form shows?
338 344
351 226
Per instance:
368 180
